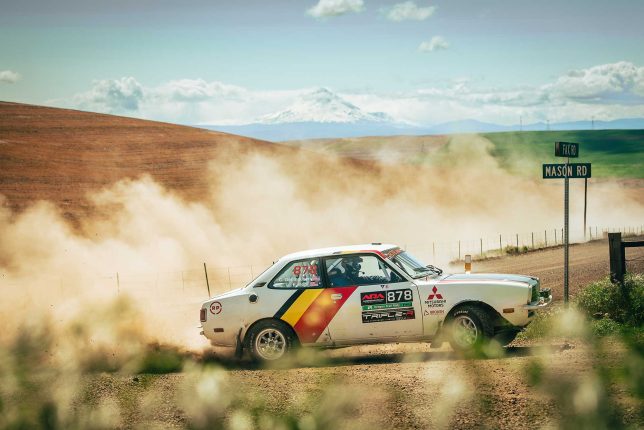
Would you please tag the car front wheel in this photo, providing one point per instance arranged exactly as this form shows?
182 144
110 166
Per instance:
269 340
469 328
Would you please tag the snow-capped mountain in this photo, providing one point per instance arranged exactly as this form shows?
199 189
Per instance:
323 106
317 114
323 114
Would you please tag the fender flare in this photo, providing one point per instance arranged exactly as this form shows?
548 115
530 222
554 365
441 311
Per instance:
244 339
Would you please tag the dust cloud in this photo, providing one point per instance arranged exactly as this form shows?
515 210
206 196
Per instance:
148 243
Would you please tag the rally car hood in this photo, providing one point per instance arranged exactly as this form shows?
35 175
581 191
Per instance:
482 278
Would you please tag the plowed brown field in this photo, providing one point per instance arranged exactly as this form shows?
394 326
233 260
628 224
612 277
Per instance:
59 155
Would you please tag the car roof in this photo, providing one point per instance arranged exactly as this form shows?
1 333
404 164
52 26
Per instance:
377 248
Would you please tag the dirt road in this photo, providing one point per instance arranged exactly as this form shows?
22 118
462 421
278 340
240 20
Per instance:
535 384
588 262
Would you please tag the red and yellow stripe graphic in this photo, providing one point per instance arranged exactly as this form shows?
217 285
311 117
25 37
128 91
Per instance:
309 311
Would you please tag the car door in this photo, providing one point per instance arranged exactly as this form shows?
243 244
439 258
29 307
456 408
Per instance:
379 303
300 299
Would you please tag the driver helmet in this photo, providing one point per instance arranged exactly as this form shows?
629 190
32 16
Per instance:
352 264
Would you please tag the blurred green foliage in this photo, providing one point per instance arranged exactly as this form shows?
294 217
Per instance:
622 304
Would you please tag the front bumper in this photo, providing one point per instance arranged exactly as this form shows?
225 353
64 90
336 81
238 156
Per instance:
545 298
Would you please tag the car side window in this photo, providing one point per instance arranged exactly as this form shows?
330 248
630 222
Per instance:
299 274
359 270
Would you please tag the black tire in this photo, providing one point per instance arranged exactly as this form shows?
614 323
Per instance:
270 340
469 328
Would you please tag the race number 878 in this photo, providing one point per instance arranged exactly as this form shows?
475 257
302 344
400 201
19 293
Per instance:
396 296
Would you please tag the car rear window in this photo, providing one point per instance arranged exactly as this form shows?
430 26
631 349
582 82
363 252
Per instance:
299 274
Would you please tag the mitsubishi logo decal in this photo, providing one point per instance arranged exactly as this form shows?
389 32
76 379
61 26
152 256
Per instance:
435 294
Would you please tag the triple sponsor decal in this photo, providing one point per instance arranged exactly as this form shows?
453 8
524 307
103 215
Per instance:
309 311
392 305
388 315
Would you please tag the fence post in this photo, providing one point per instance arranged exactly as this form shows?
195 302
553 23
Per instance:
207 283
118 284
545 237
517 242
555 237
481 247
533 241
616 258
229 282
500 245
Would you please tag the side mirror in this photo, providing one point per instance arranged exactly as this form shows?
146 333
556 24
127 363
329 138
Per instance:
260 284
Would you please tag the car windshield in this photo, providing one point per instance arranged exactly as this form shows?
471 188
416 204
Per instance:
413 267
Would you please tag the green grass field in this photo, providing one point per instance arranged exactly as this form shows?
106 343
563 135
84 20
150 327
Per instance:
613 153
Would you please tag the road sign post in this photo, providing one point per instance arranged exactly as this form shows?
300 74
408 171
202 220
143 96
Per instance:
567 171
566 237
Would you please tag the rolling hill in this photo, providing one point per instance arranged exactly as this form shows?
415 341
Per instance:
59 155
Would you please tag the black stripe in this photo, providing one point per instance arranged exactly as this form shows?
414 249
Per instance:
288 303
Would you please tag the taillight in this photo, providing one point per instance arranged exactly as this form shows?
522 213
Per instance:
202 314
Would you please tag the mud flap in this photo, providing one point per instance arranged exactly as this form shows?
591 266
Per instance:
438 340
239 347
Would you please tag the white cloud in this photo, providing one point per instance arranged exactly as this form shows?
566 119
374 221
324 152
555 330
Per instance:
112 96
436 43
185 101
409 11
9 77
329 8
620 83
606 92
198 90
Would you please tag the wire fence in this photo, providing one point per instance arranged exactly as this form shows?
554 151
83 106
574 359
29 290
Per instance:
196 284
509 243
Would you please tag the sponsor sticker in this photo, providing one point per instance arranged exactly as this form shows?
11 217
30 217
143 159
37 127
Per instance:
435 300
386 297
216 308
391 253
387 306
390 305
374 298
388 315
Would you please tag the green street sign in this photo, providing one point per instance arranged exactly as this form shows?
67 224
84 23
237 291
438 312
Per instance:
558 171
566 149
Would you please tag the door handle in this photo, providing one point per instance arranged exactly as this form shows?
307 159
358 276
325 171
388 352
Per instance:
336 296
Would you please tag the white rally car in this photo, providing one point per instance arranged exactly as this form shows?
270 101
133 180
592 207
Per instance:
364 294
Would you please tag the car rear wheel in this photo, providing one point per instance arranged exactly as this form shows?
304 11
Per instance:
269 340
469 328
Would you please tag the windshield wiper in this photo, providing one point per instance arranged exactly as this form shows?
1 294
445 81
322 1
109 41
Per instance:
434 269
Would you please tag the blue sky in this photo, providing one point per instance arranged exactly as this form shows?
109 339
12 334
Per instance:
96 54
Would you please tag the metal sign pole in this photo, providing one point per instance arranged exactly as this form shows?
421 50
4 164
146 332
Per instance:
585 204
566 207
